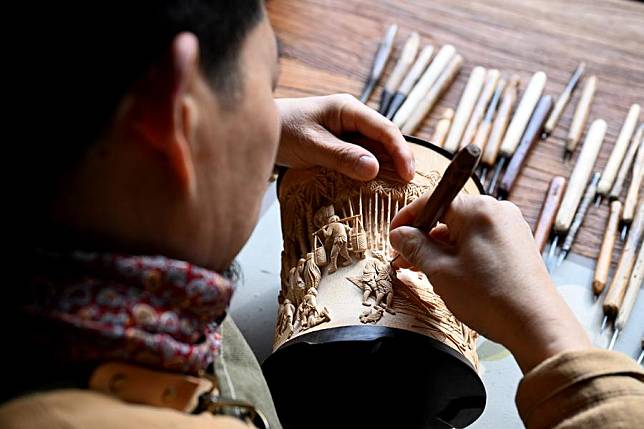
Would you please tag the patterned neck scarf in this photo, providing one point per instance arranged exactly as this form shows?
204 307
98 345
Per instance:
150 310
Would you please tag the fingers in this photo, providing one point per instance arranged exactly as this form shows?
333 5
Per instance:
480 213
465 212
349 159
347 114
407 214
440 233
419 250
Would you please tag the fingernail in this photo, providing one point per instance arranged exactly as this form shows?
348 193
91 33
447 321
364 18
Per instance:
367 162
394 238
412 167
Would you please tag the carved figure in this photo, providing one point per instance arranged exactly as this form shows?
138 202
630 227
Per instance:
322 215
372 315
377 281
337 232
369 275
287 315
309 314
296 282
312 274
384 285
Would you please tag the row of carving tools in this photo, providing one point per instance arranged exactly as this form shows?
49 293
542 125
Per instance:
506 128
566 207
416 82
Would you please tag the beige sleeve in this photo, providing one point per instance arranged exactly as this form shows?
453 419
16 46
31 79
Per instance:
80 409
583 389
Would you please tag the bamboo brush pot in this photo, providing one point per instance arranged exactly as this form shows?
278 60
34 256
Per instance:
352 331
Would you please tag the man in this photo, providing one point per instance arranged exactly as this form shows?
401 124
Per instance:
337 232
297 284
286 317
154 133
384 286
369 274
309 313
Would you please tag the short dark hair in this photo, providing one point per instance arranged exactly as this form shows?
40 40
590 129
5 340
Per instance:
88 55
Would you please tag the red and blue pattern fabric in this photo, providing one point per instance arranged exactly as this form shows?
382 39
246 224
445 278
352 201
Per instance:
150 310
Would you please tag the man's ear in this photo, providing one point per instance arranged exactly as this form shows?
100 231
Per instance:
162 110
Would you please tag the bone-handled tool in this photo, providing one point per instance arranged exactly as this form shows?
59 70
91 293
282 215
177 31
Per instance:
618 185
464 109
549 209
519 121
632 195
617 289
563 100
577 182
500 124
634 284
578 220
425 83
580 117
410 80
617 155
606 251
379 61
401 68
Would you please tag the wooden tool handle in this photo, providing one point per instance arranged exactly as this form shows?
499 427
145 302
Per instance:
530 137
617 155
442 59
405 61
528 102
634 283
416 70
494 103
456 175
618 185
617 289
556 112
578 220
634 188
580 175
548 210
581 114
379 61
464 109
440 86
501 122
483 132
384 51
491 80
563 99
442 127
480 139
606 252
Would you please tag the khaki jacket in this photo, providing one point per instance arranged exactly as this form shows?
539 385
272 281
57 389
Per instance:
585 389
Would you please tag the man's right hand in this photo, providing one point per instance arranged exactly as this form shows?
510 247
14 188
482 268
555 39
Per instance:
485 265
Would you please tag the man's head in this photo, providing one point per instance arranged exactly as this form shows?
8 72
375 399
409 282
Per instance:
378 255
163 133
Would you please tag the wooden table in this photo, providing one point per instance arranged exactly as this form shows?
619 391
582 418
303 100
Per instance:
328 45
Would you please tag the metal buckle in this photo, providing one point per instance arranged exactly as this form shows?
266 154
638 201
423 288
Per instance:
213 403
240 409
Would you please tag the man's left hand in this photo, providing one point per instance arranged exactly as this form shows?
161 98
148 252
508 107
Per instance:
311 130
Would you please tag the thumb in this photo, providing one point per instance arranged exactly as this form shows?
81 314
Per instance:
421 251
349 159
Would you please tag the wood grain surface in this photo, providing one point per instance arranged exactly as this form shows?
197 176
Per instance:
327 47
